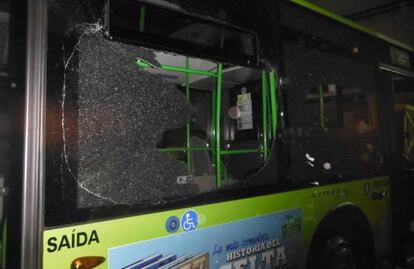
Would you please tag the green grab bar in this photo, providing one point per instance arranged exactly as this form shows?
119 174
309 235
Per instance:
217 114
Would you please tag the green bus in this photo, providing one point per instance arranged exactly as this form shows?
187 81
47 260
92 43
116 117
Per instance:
202 134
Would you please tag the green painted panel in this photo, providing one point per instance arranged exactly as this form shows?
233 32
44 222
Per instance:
314 202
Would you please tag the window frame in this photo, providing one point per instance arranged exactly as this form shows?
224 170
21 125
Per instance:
291 36
183 47
32 208
224 194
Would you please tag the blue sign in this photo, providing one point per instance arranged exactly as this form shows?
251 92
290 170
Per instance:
189 221
271 241
172 225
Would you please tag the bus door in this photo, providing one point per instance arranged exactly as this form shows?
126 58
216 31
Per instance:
401 99
403 88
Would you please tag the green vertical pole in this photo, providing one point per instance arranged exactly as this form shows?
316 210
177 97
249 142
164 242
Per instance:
188 131
264 113
217 131
141 18
213 124
273 105
405 131
269 113
321 107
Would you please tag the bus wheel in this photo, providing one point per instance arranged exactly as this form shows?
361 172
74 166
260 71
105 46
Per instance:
338 246
338 253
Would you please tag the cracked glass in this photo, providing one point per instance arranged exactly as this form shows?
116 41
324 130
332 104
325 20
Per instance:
129 130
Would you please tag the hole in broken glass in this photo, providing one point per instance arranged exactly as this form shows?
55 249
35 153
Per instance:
110 140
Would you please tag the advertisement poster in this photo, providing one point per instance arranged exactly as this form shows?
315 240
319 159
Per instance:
263 242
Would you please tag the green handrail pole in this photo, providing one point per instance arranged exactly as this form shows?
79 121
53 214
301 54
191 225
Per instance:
264 113
321 107
273 100
188 70
213 121
217 124
142 18
405 131
179 149
188 130
239 151
144 64
269 114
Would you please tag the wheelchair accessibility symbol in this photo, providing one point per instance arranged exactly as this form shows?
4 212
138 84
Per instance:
189 221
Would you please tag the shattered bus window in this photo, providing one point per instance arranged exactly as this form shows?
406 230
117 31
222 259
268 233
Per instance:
133 122
113 117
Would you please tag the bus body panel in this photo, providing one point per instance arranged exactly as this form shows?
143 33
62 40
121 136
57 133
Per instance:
275 228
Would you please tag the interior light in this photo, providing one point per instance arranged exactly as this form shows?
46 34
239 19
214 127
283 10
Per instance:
87 262
355 50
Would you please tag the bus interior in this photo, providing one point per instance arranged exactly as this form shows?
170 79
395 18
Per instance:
153 123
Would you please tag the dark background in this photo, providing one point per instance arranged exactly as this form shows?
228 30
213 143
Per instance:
391 17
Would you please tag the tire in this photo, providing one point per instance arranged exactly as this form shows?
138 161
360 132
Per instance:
339 244
338 254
